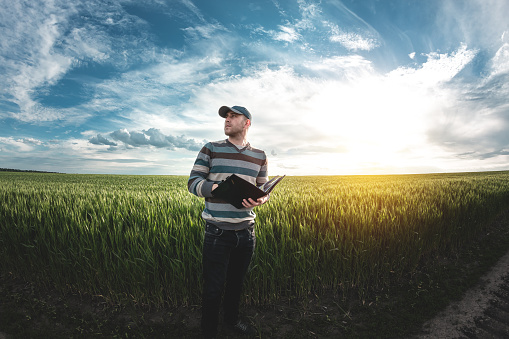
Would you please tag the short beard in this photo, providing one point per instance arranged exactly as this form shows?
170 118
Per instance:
233 134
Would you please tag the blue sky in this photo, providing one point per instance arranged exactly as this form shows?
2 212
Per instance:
335 87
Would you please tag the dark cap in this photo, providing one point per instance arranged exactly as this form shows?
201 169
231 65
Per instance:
235 109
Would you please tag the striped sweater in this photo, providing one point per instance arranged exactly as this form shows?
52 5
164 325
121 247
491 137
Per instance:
215 162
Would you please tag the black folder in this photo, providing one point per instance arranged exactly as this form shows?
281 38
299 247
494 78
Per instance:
234 189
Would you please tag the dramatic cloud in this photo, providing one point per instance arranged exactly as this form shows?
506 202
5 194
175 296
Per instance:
100 140
151 137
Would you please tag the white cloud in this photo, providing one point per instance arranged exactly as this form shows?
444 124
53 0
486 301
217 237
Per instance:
340 67
11 144
195 10
204 31
500 62
352 41
438 68
32 141
88 43
471 121
286 33
189 71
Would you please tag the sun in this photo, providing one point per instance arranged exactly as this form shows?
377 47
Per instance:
376 120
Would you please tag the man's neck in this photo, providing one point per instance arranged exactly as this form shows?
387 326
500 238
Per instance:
238 140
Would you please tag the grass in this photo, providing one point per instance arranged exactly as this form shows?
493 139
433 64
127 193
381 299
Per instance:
349 255
28 310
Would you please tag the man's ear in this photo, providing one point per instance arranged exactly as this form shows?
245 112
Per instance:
248 123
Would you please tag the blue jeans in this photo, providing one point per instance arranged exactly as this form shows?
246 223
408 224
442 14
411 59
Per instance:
226 258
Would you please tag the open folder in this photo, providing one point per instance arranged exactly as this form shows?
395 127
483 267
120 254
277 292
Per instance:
234 189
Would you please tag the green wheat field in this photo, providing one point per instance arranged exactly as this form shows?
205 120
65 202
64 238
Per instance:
139 238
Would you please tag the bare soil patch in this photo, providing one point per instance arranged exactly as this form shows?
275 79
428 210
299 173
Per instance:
482 313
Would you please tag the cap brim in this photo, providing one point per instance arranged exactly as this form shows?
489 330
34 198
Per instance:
224 110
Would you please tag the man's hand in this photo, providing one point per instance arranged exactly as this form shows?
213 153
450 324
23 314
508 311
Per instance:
249 203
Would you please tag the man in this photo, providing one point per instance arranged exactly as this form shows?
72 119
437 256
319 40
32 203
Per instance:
229 232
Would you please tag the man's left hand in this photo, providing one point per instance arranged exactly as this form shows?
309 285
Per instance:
249 203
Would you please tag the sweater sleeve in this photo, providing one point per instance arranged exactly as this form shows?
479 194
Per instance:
198 183
263 175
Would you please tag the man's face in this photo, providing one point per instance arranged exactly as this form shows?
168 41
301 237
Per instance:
234 123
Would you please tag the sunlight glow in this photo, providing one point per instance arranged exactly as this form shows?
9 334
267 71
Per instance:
375 118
